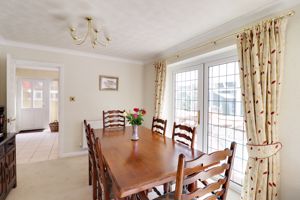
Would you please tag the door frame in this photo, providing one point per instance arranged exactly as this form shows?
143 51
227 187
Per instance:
36 65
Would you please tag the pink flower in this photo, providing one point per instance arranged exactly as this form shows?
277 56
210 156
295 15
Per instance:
135 115
136 110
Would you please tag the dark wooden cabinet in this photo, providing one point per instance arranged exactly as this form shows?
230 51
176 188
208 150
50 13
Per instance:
2 178
8 176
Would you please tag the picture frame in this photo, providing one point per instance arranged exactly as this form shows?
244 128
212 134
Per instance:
108 83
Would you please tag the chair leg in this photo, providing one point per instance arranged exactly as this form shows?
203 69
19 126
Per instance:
192 187
166 188
90 174
94 186
99 191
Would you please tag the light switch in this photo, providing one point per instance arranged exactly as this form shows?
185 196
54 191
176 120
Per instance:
72 99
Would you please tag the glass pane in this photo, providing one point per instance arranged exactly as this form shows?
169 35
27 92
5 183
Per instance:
54 101
186 97
26 94
230 68
225 114
38 94
215 71
223 70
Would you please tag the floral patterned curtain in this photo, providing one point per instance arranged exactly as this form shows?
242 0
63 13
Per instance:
261 51
160 81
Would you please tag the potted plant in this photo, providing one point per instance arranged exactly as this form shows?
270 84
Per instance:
135 119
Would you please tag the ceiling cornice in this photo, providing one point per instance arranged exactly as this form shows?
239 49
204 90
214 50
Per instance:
227 28
12 43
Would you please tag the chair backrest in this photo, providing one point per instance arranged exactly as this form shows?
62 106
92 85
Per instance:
159 126
88 141
113 118
100 171
212 170
184 134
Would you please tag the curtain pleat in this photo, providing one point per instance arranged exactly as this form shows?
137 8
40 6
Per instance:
261 52
160 81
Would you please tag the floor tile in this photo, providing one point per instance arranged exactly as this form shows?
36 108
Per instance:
37 146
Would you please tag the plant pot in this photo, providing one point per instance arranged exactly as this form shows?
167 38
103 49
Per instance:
135 133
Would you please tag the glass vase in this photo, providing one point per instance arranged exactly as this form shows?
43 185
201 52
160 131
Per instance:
135 133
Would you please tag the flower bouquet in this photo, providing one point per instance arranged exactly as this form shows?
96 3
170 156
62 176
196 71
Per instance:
135 119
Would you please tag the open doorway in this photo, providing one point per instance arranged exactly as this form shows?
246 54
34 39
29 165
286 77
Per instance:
37 113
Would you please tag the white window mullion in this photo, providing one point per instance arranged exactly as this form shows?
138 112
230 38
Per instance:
205 109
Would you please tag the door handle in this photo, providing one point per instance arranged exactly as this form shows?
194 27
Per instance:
198 115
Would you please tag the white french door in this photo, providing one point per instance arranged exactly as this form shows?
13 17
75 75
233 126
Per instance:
188 99
33 104
213 90
224 114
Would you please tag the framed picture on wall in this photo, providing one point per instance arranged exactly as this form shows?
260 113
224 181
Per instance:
108 83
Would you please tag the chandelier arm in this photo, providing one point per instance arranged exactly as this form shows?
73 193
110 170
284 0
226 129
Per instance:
93 37
92 32
79 41
103 43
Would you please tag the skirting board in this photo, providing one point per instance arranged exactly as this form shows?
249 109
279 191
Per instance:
73 154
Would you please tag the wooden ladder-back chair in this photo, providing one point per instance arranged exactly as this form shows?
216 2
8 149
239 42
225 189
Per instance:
159 126
184 134
91 158
104 183
113 118
211 172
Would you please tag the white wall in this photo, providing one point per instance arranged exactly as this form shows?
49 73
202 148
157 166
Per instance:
289 124
81 76
149 93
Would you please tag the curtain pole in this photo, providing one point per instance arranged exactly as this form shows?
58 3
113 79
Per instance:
289 14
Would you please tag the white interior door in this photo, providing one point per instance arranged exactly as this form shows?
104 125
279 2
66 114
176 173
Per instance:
188 99
11 94
33 104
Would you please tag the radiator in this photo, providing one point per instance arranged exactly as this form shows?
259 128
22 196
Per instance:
95 124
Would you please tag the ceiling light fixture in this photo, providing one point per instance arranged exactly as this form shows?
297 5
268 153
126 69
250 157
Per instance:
93 32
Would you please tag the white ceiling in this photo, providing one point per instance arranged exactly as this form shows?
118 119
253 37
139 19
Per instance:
140 29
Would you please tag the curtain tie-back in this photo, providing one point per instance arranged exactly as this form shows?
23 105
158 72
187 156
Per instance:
263 151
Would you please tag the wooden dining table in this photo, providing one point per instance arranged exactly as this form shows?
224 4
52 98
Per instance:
136 166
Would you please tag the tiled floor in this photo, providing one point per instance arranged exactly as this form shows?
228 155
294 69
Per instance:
38 146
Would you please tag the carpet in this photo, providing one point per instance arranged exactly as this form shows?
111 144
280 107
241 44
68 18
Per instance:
61 179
